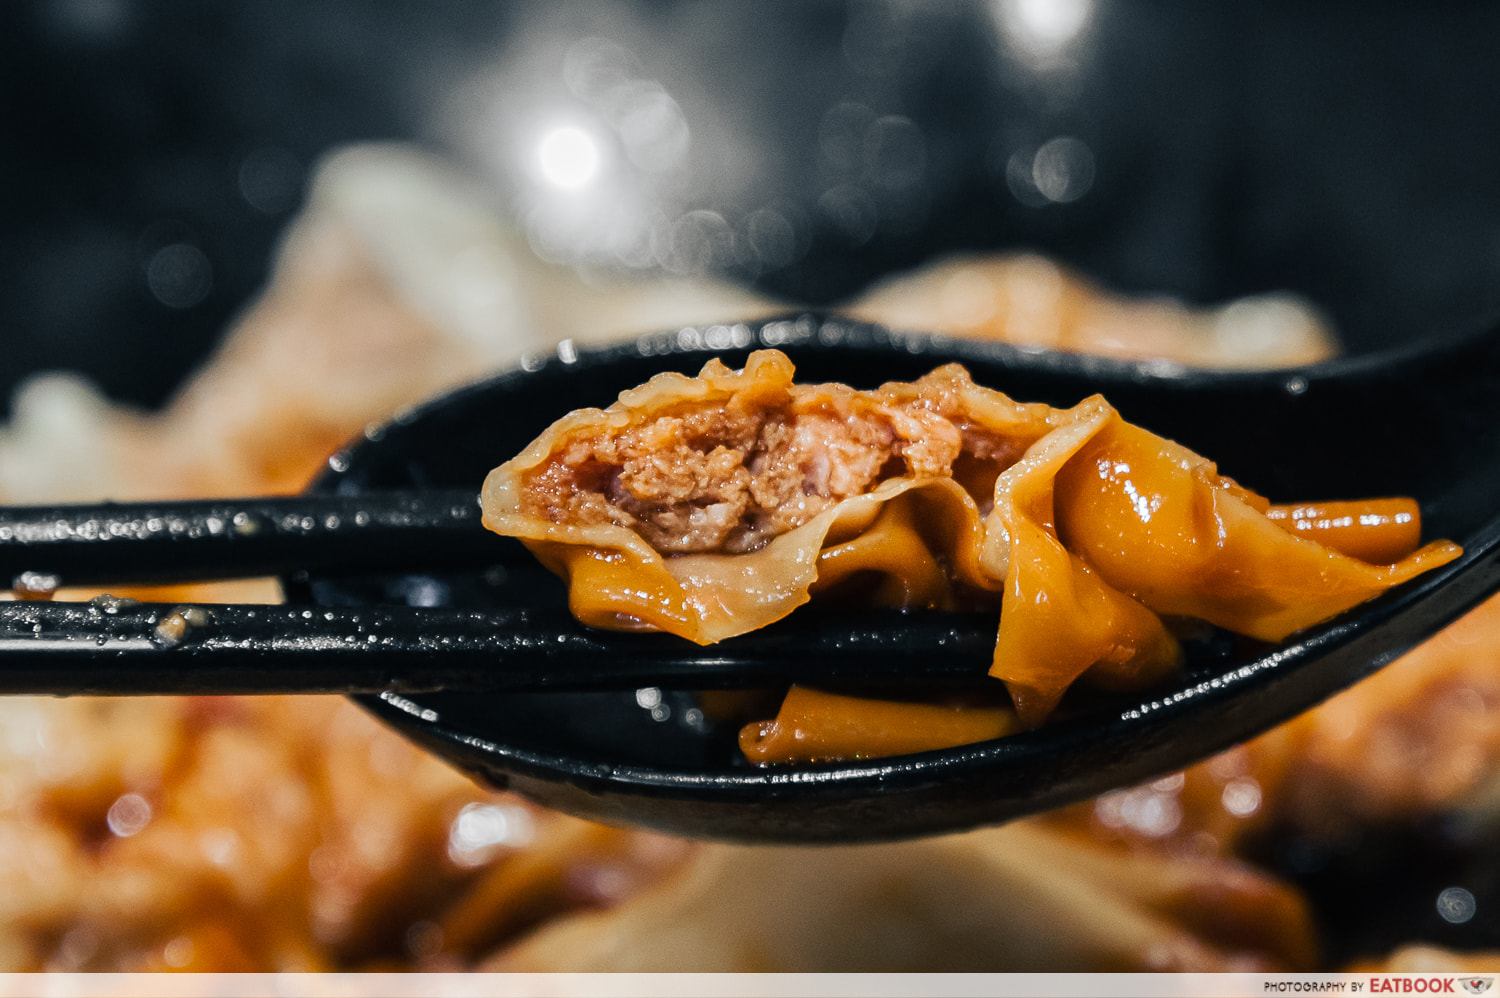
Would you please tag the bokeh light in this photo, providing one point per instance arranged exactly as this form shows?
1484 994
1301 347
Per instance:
128 815
481 830
1455 905
568 158
179 275
1043 29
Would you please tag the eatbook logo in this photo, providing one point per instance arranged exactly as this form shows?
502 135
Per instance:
1477 985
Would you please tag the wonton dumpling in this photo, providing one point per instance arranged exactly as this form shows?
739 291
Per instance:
1026 896
708 507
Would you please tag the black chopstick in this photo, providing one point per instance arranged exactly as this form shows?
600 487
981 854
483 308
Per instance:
157 542
111 646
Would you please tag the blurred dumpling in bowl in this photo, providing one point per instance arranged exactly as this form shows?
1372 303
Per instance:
1028 896
398 280
1029 300
240 834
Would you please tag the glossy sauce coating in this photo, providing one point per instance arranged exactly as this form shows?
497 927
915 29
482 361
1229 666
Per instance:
1379 531
817 726
1085 530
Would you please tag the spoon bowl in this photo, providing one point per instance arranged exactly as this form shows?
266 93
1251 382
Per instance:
1424 423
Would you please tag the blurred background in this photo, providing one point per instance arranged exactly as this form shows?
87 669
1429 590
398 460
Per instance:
154 150
157 153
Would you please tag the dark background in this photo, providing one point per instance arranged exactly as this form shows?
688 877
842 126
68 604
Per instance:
1344 151
153 151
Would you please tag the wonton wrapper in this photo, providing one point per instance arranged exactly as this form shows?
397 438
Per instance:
1024 897
1028 299
1092 529
619 581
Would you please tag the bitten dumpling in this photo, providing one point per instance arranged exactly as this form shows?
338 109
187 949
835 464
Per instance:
711 506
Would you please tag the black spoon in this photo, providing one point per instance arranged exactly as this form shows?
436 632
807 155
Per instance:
1422 423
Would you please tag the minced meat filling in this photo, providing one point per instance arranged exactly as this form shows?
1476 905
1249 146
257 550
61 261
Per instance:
722 479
